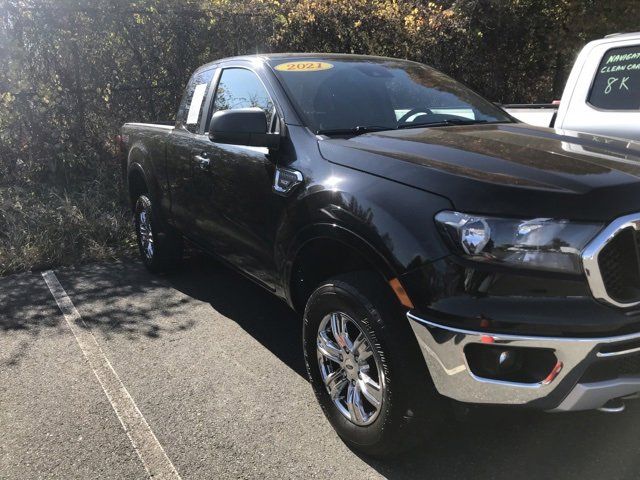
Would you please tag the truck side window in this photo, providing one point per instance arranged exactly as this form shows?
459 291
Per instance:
192 104
617 82
241 88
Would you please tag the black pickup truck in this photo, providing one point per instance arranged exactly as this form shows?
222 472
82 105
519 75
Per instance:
437 246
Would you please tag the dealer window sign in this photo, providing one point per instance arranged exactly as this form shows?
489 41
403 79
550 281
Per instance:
617 82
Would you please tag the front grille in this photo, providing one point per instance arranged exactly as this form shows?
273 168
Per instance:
620 267
612 368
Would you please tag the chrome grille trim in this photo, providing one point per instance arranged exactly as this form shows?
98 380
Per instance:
592 251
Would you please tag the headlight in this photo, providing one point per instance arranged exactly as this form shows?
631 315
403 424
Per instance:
541 243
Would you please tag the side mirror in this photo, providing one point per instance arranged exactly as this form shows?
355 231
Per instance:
244 126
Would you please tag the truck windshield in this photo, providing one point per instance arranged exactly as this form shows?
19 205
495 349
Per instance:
353 96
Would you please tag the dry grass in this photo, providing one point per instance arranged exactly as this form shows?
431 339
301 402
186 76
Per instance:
43 226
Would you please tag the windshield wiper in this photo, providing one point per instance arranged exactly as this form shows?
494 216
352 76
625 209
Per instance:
360 129
442 123
353 131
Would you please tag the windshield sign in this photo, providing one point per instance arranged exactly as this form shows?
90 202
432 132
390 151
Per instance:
617 82
358 96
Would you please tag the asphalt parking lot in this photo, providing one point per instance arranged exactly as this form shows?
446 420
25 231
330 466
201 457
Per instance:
214 367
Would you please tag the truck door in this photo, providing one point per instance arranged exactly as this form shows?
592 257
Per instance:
180 162
236 211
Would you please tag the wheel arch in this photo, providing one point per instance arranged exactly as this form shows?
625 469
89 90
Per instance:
136 182
322 251
141 174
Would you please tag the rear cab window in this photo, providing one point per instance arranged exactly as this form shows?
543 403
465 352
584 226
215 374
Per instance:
616 85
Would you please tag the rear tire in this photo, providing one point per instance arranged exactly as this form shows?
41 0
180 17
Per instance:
160 246
409 403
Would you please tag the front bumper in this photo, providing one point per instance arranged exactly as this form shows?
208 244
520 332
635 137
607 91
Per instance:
566 388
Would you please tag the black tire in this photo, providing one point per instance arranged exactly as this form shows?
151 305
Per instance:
167 245
410 407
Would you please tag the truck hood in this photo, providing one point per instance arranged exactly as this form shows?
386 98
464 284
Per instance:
504 169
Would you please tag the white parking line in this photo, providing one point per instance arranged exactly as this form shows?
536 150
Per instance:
142 438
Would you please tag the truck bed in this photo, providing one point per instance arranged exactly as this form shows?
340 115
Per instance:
538 114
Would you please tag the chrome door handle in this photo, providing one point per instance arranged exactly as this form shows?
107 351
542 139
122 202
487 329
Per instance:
201 162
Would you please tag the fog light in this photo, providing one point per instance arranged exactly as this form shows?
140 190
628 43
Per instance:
512 364
506 360
498 361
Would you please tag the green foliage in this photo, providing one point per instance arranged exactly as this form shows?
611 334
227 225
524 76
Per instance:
74 70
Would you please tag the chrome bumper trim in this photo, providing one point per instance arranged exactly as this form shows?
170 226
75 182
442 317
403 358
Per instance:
443 351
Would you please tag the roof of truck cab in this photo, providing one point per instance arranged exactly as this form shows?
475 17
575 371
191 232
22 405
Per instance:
612 40
623 35
267 57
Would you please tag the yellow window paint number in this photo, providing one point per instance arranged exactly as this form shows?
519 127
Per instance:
303 66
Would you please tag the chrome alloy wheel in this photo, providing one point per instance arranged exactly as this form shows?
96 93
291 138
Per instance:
145 231
350 369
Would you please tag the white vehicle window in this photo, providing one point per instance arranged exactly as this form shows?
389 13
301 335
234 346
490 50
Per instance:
617 82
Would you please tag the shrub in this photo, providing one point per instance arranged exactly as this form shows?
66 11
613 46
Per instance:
44 226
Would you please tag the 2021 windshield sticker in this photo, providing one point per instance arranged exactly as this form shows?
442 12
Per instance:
303 66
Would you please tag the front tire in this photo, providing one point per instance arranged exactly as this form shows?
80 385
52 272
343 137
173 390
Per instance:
160 246
377 406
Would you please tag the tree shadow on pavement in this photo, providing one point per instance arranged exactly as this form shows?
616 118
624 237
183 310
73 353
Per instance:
115 299
26 303
484 443
26 310
503 443
123 299
258 312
